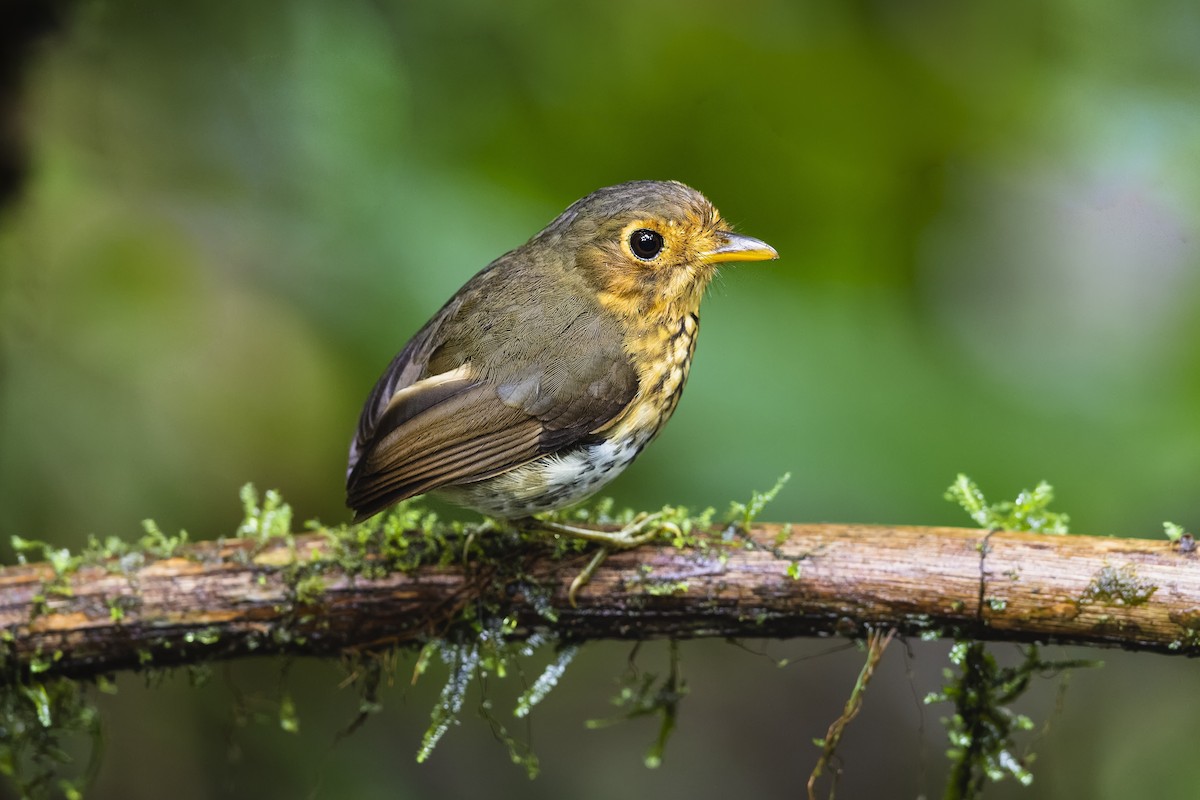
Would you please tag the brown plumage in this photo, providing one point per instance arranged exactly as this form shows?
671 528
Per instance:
549 371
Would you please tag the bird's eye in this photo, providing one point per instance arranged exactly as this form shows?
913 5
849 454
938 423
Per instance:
646 244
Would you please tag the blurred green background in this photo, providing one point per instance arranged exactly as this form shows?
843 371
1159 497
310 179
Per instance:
987 215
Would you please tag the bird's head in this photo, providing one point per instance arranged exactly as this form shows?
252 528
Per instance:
649 248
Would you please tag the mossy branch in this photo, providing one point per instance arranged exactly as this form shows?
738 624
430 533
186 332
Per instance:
299 594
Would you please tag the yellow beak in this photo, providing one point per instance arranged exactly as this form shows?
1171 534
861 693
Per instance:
737 247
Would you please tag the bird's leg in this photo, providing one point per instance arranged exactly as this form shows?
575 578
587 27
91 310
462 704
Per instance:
585 575
644 528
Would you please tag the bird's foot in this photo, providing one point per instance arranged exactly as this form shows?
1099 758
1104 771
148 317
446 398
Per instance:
644 528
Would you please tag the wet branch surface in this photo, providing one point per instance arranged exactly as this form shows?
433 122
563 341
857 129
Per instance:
242 597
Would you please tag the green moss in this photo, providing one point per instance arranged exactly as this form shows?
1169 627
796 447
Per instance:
546 681
120 605
62 563
647 694
309 589
404 539
40 720
1029 512
205 636
746 513
40 663
157 544
1118 586
1183 541
665 588
289 720
1173 531
983 728
272 519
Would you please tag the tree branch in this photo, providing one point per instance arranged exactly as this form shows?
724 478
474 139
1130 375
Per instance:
243 597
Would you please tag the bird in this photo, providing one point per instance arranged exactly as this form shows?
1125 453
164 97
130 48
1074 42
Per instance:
549 371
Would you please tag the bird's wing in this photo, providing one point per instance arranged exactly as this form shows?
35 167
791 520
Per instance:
464 424
406 369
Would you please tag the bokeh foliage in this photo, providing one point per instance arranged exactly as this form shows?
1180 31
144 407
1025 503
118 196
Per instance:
987 216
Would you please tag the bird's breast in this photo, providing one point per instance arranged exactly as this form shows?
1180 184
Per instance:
662 355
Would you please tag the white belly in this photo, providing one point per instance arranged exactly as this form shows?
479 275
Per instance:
550 483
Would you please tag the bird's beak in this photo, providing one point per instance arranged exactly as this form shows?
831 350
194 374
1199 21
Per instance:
736 247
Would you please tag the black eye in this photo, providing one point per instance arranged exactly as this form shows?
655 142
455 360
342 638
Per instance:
645 244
